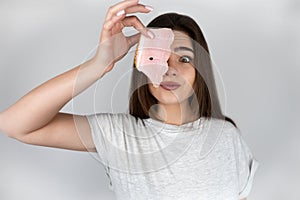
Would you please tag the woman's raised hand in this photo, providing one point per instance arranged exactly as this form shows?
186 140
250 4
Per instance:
113 43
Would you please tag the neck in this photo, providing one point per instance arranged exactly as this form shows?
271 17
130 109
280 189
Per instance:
176 114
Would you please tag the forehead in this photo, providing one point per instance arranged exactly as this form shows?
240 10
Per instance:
181 39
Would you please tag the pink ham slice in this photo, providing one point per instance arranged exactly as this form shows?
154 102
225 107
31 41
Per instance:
152 54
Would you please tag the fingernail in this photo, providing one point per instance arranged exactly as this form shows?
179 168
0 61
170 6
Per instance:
122 12
150 34
149 8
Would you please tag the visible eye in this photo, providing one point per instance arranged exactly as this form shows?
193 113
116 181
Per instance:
185 59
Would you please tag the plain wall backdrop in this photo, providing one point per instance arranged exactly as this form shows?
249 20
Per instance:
255 47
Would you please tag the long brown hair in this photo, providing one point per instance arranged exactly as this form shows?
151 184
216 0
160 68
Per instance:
205 94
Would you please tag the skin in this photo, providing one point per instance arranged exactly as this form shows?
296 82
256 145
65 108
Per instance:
173 106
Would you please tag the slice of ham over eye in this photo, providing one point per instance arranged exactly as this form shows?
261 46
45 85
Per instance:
151 55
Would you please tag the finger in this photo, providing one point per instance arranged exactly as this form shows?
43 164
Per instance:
138 25
119 7
117 18
130 21
138 8
115 22
118 23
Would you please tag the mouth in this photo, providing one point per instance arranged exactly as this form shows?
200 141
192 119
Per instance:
169 85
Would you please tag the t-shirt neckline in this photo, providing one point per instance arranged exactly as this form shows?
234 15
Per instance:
198 123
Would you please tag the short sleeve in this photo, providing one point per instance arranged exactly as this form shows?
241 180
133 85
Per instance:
247 166
100 125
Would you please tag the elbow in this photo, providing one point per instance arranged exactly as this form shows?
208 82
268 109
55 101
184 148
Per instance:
6 129
3 129
7 132
11 134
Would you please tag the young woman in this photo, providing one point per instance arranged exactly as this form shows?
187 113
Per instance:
175 143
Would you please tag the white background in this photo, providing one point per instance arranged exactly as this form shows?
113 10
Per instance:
254 45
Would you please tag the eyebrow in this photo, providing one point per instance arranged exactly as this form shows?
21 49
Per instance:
183 49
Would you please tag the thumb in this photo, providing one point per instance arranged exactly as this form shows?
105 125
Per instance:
132 40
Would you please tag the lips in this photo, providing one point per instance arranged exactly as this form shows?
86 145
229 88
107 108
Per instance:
169 85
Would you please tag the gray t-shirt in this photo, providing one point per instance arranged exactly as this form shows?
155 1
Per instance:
148 159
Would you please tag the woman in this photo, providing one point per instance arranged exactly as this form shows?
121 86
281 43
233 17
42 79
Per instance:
174 144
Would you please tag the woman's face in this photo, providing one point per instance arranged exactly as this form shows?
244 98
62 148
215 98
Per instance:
177 84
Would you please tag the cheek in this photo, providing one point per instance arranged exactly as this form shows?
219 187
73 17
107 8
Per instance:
193 77
189 76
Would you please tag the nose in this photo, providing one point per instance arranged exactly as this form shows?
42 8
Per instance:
171 70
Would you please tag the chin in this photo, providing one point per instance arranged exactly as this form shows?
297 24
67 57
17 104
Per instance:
169 101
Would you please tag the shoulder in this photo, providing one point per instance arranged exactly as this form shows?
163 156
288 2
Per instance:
231 138
111 116
222 127
226 135
110 120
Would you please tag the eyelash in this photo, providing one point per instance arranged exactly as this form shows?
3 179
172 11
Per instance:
183 57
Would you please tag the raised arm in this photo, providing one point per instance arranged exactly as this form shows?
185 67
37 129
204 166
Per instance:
35 118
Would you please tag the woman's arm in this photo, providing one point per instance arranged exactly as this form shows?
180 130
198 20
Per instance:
35 118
